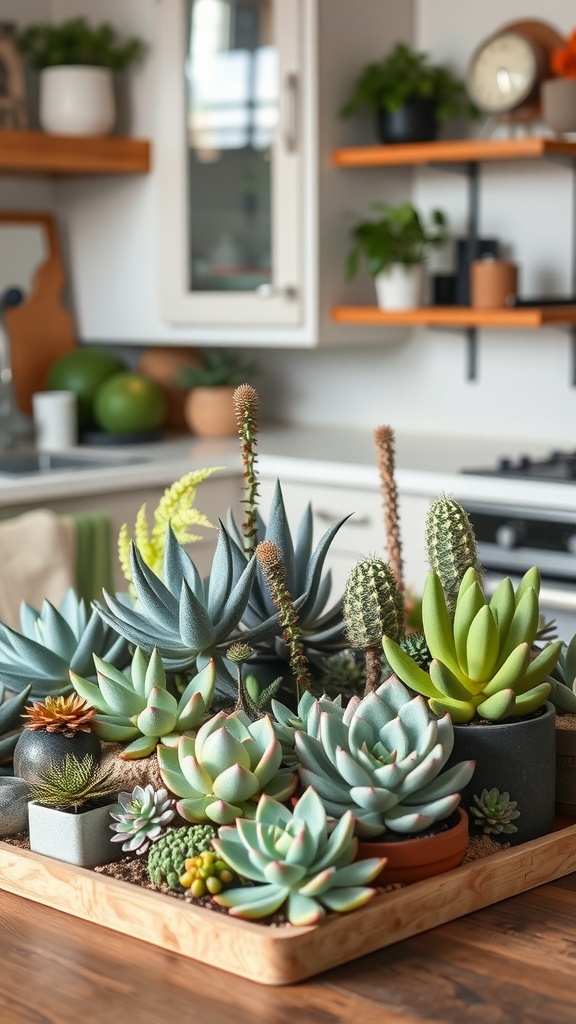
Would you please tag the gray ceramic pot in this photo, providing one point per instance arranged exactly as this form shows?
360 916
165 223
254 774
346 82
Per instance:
13 805
517 757
83 838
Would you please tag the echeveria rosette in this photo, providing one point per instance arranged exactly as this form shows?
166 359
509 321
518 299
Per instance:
220 774
51 642
189 619
140 818
294 861
381 757
138 709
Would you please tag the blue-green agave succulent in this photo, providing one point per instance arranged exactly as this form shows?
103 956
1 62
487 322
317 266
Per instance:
381 758
188 619
563 680
220 773
321 628
10 726
53 641
138 709
294 861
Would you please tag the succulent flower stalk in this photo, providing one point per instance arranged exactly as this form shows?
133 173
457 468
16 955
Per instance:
384 438
246 402
269 557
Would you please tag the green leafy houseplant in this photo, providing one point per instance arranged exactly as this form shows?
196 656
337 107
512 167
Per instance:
76 42
398 234
218 369
403 75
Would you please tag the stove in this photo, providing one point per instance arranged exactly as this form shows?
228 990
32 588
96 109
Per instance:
559 467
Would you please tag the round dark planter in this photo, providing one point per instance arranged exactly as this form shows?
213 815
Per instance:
517 757
414 121
37 749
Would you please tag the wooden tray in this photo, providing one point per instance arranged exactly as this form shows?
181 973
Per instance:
278 956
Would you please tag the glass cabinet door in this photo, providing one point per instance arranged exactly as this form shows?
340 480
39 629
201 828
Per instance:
231 169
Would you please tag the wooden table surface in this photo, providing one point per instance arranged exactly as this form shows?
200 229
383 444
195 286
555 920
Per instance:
513 963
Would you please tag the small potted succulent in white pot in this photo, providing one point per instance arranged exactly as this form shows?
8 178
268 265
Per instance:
69 812
77 62
395 246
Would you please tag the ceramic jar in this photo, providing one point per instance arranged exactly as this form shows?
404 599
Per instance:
400 287
77 100
558 101
209 412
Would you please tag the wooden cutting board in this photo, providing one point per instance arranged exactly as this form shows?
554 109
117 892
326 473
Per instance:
40 329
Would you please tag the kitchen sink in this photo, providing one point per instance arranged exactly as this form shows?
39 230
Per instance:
34 463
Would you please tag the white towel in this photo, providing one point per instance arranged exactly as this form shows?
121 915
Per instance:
37 561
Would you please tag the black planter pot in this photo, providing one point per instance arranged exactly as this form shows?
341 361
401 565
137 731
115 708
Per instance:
516 757
414 121
37 749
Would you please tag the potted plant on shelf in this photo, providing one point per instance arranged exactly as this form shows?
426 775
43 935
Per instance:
76 62
208 407
409 95
395 246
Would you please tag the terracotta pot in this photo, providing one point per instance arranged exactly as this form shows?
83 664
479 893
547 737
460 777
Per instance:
417 858
209 412
493 283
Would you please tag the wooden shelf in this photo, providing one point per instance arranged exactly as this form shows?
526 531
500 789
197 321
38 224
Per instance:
60 155
456 316
463 151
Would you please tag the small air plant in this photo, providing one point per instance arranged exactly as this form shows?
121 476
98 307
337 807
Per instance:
72 784
140 818
494 812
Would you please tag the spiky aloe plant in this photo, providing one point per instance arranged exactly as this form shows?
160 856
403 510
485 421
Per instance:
373 606
494 812
381 757
72 784
53 641
10 725
140 818
220 774
138 709
294 862
451 545
189 620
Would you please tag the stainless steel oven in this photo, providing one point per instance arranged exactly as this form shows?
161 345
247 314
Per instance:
512 539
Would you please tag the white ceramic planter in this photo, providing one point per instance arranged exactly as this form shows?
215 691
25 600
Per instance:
77 100
83 839
558 99
400 287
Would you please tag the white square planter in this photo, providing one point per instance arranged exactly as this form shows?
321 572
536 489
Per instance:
83 839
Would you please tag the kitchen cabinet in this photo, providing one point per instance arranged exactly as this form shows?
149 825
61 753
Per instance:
363 534
252 229
466 155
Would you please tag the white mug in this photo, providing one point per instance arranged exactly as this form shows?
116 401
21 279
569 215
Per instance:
55 420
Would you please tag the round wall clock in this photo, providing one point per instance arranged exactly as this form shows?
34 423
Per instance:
504 72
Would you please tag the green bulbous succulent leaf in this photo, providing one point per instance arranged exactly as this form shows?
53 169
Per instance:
293 861
51 642
381 758
138 706
220 773
483 663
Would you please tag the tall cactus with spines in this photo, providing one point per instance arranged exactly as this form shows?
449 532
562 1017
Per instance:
451 546
373 606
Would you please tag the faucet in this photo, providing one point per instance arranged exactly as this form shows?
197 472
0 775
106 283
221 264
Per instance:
12 423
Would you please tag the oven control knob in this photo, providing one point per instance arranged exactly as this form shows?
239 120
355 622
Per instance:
508 536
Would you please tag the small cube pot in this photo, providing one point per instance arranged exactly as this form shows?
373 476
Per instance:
83 839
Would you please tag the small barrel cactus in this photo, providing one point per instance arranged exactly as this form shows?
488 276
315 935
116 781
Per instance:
373 606
140 817
220 773
206 873
137 709
494 812
168 856
295 862
451 545
381 758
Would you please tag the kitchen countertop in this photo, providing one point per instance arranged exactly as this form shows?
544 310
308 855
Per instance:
426 465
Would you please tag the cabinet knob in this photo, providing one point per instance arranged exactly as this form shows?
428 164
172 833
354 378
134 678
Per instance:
272 291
